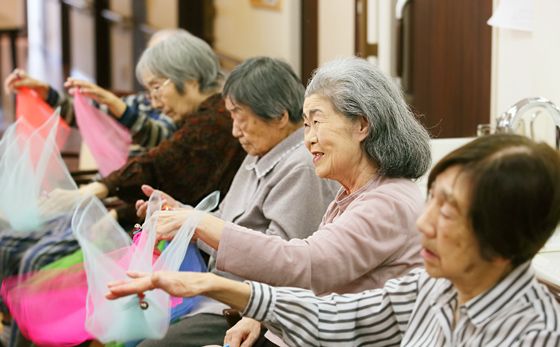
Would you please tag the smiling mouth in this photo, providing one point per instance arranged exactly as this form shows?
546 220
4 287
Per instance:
317 156
426 254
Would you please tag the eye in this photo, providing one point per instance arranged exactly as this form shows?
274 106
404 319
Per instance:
315 122
305 125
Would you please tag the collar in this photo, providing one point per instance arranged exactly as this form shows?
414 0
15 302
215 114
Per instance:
265 164
488 304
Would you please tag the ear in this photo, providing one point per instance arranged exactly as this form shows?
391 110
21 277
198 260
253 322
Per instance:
284 120
362 128
192 84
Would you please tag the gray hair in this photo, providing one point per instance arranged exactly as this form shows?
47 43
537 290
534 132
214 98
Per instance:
396 141
269 87
183 57
163 34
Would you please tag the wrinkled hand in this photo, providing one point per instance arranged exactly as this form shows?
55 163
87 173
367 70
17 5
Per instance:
57 201
19 78
245 333
166 199
98 94
169 222
179 284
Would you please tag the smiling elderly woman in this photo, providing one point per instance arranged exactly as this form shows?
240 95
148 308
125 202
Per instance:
492 205
361 134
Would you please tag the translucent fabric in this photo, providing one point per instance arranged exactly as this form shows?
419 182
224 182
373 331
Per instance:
107 258
107 140
30 169
54 307
36 112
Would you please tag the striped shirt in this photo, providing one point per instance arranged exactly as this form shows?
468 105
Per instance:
416 310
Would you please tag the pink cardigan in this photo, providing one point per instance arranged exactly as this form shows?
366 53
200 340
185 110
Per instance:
364 239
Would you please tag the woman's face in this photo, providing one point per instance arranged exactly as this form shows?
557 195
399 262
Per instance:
333 140
256 136
449 246
164 95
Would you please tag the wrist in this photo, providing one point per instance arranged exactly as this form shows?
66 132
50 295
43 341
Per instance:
43 90
117 107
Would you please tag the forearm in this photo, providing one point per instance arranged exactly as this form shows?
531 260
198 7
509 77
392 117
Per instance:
209 230
96 188
232 293
116 106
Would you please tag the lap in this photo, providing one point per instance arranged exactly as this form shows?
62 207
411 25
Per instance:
198 330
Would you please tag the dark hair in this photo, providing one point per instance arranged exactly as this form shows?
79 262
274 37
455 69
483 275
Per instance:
514 193
269 87
396 141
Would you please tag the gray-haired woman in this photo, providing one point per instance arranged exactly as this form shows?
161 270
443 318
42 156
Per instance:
184 77
362 134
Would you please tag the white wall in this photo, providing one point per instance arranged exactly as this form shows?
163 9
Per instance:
336 29
527 64
243 31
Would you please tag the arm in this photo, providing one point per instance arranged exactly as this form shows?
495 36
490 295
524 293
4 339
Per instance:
299 316
184 284
369 233
19 78
115 105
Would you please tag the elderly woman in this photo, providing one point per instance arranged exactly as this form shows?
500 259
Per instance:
274 192
184 76
185 80
146 124
492 205
361 134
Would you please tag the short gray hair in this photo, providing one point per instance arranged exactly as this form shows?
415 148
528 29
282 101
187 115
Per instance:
269 87
183 57
163 34
396 141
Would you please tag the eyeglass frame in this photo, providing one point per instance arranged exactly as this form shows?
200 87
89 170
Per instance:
155 92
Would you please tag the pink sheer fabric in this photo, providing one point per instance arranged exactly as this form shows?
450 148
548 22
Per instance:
107 140
36 112
65 307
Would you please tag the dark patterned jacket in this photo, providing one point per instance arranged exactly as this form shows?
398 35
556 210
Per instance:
202 156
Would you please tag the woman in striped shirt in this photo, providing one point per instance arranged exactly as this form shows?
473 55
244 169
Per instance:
492 205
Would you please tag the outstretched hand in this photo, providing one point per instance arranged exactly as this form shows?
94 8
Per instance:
179 284
19 78
98 94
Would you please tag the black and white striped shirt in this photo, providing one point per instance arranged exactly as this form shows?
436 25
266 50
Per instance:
416 310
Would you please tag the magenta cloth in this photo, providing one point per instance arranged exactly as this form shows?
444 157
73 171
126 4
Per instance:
36 112
49 306
107 140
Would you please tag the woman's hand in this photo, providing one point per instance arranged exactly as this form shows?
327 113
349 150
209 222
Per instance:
98 94
184 284
245 333
57 201
169 223
166 199
179 284
19 78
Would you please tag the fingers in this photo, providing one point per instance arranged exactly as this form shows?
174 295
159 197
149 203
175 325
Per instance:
148 190
141 208
140 284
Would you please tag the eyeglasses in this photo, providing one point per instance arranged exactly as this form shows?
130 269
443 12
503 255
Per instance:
156 91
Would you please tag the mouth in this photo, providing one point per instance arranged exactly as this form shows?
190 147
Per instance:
317 156
426 254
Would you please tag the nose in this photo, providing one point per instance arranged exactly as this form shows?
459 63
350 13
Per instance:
235 130
156 103
310 137
427 220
